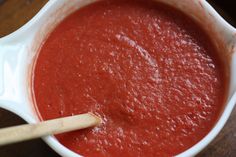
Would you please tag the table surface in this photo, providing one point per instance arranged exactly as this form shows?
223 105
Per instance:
15 13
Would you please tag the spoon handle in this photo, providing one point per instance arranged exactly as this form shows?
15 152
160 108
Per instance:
31 131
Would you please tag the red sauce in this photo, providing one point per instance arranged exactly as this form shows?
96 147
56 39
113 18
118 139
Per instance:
148 70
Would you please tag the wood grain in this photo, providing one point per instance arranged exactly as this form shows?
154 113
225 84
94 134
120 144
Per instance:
27 132
15 13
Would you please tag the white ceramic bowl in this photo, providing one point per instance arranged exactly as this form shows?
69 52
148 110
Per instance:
19 50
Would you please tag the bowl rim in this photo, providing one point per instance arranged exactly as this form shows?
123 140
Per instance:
62 150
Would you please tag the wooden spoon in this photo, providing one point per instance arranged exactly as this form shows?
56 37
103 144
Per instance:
31 131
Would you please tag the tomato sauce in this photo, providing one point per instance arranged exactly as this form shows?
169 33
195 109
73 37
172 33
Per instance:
146 69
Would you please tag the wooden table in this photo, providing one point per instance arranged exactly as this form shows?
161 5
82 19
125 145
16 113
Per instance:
13 14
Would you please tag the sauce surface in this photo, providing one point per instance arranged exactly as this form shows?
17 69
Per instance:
146 69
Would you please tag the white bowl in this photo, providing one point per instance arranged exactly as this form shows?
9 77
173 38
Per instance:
19 49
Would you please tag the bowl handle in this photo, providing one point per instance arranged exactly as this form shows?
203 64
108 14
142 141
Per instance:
9 67
10 80
9 70
3 51
1 69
